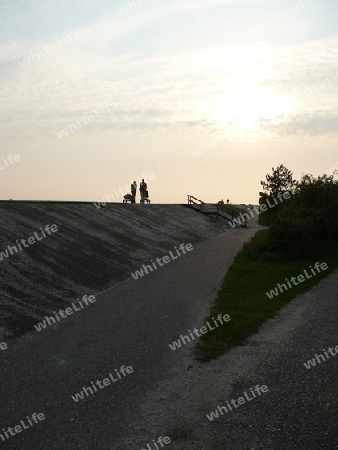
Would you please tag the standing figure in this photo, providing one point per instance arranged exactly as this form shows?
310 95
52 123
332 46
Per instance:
133 191
143 189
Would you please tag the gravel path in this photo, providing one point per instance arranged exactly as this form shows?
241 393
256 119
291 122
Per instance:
131 324
300 409
169 394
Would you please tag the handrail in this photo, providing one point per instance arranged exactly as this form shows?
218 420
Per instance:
219 208
191 202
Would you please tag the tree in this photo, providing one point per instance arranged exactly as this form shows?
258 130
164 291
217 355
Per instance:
281 180
308 220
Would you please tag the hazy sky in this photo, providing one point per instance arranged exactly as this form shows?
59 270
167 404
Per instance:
205 95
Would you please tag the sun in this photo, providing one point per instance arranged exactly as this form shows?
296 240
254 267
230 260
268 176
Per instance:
241 112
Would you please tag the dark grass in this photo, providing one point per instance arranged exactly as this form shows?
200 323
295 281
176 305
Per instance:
243 293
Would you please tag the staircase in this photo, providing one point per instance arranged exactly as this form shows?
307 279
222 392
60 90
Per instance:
213 209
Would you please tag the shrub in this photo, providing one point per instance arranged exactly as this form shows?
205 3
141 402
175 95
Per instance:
308 220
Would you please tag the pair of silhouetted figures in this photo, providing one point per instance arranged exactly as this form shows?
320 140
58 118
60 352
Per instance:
144 195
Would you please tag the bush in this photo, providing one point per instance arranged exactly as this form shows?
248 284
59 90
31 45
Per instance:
308 220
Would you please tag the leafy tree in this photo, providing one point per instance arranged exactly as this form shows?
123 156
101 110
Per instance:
308 220
281 180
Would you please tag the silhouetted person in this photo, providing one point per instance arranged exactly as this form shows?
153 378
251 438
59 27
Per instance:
133 191
143 189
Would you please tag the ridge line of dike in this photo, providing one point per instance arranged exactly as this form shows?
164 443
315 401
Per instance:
85 202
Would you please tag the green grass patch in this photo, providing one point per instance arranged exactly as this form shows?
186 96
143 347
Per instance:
243 293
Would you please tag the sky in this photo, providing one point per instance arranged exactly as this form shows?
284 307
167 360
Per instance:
199 97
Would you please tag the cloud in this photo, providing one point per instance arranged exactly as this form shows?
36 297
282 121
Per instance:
317 124
172 89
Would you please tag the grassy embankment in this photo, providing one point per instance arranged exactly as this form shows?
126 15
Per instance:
243 293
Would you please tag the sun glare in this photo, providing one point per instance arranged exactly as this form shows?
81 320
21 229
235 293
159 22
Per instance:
240 112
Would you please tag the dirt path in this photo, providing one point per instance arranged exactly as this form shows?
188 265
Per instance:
131 324
300 409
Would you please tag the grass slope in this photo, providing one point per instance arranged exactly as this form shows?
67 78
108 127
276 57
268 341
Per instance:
243 293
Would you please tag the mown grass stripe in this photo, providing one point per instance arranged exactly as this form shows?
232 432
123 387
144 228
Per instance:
243 293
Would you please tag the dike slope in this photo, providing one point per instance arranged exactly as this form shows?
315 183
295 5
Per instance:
92 250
